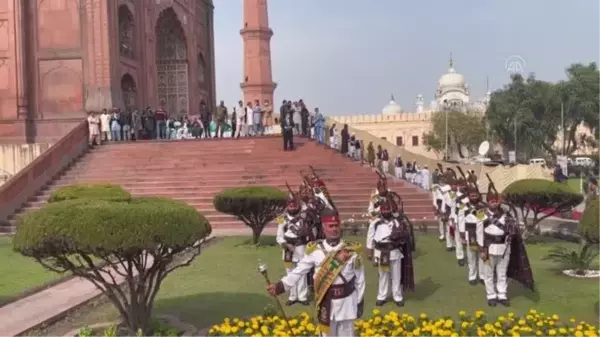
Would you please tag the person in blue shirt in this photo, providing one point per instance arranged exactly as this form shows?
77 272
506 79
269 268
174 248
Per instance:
319 127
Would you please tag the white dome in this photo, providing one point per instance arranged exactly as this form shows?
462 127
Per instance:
392 108
452 79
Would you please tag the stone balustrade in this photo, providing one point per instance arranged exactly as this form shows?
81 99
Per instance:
23 185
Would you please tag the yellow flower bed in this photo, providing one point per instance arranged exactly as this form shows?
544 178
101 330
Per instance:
395 324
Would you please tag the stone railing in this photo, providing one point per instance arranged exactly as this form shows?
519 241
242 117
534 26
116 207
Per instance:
23 185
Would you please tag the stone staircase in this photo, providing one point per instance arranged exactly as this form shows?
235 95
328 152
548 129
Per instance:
194 171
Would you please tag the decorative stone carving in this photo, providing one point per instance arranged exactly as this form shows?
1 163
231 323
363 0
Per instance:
126 32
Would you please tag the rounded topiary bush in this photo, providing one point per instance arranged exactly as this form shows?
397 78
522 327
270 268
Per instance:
93 226
590 221
142 239
540 193
90 191
256 206
242 199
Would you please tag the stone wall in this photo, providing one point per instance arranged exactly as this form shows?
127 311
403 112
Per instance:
14 157
404 130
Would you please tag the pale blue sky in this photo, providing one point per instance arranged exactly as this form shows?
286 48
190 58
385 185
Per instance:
348 56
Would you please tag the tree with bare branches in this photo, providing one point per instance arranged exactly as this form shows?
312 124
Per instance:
126 248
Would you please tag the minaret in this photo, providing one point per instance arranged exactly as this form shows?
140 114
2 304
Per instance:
258 79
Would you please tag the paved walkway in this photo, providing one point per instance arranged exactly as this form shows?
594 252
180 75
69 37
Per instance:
33 310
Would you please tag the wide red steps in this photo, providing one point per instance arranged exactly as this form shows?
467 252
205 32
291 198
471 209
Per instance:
195 171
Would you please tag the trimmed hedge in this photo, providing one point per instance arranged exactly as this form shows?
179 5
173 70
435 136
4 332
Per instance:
106 192
243 199
540 193
589 225
91 225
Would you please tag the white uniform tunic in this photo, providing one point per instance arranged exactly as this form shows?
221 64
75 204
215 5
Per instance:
285 230
449 200
497 264
474 262
343 310
381 235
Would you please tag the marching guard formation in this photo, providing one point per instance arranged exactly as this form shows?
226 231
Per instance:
483 236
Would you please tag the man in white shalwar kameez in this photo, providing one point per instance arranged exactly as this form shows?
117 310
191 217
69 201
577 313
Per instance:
425 178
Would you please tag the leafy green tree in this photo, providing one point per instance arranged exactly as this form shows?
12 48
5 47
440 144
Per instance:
141 240
255 206
533 106
433 143
579 94
538 199
458 137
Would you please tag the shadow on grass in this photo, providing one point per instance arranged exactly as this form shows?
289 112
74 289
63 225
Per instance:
515 289
597 308
423 290
206 309
264 241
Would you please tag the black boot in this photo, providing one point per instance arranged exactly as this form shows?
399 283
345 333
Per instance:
492 303
461 262
473 282
399 303
304 302
379 303
290 302
505 302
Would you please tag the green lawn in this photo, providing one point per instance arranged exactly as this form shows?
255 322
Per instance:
224 282
18 273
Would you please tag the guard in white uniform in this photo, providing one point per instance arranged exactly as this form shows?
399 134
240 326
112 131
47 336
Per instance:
449 208
388 246
503 253
382 193
292 236
438 196
461 214
339 278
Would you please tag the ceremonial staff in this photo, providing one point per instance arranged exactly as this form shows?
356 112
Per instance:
262 268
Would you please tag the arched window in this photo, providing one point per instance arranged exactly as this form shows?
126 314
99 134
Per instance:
171 64
126 32
129 92
201 71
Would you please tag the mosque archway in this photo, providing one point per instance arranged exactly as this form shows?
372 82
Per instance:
172 64
129 91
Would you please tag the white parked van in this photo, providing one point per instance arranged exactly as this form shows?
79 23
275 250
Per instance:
537 161
584 161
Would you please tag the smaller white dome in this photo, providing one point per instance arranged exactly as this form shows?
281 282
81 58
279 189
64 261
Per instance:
392 108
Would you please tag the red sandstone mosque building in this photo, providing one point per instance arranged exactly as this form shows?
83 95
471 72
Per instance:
62 58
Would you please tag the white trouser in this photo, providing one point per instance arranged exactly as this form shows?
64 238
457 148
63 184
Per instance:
441 228
333 142
398 172
460 248
238 130
299 292
385 166
395 274
450 240
497 265
473 264
340 328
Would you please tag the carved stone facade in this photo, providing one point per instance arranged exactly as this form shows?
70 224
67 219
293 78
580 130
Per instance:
62 58
258 78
